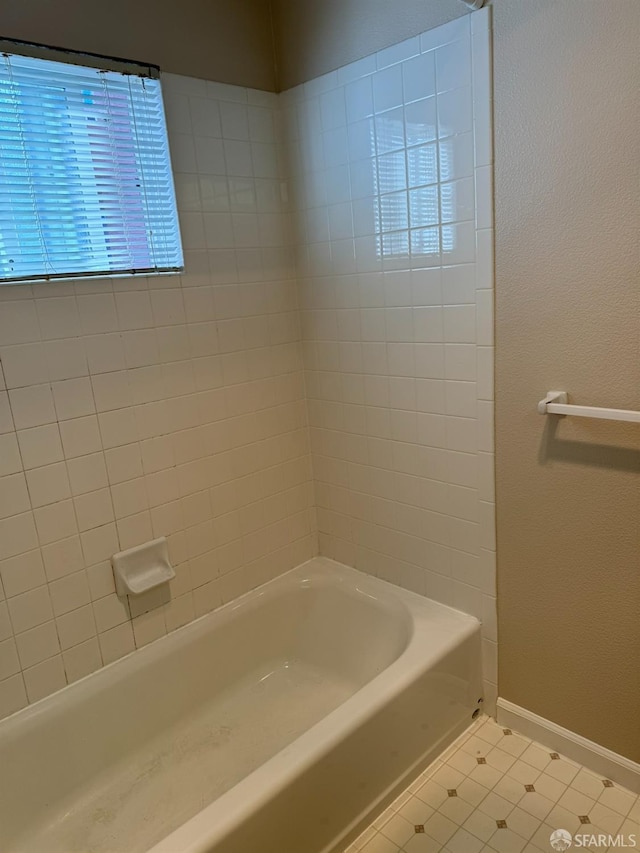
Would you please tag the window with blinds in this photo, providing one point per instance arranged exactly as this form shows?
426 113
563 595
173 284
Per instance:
86 187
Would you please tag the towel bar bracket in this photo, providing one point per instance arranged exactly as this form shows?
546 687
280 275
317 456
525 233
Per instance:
552 397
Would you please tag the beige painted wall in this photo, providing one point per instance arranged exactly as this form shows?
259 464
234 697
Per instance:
567 122
225 40
316 36
567 153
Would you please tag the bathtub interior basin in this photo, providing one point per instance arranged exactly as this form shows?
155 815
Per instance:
134 757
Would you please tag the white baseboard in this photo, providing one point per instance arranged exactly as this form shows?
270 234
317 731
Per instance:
593 756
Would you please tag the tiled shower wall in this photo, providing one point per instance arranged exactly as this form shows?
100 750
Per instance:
172 406
131 409
391 159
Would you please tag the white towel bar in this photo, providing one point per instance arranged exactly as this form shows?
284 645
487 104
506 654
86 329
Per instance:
557 403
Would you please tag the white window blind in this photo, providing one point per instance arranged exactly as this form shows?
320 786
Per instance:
86 186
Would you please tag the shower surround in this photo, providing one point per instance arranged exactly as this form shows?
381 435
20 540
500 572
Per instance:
175 406
169 406
391 161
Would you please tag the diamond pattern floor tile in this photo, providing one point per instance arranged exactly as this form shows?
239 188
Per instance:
495 791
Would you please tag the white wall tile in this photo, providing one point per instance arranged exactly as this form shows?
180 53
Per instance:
87 473
398 52
69 593
73 398
6 417
357 69
13 695
101 582
62 558
93 509
485 371
22 573
40 445
485 317
55 521
48 485
24 364
455 30
82 659
5 623
30 609
14 497
97 313
37 644
419 76
45 678
205 117
453 65
163 391
455 112
400 379
66 358
19 323
234 120
105 353
9 662
99 544
17 535
116 642
484 195
58 318
32 406
358 96
149 626
387 88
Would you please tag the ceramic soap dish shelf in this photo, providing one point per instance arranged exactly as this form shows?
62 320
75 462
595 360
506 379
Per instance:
142 568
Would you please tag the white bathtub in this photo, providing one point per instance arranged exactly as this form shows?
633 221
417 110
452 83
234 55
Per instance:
277 724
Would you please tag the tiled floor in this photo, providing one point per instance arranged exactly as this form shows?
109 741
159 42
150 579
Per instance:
494 790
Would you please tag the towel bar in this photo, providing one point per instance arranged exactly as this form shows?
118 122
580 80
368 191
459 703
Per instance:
557 403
